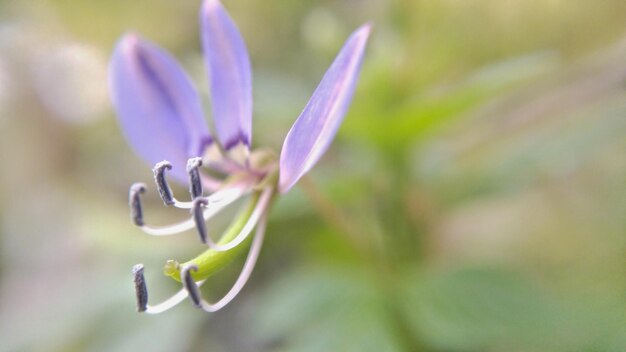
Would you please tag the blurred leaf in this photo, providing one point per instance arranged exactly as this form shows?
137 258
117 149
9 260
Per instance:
329 309
549 135
395 125
478 309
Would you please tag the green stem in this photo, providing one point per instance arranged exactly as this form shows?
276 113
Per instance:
212 261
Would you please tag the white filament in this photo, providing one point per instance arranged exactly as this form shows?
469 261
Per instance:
217 201
170 302
182 205
258 211
246 271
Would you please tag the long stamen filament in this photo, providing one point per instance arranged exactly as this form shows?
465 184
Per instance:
211 261
258 211
218 202
166 193
142 294
170 302
237 237
192 288
197 213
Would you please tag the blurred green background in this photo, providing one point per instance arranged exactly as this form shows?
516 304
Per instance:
474 199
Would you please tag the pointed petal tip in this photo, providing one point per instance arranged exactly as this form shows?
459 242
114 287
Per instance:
365 29
129 42
211 8
130 38
361 34
315 128
131 46
209 5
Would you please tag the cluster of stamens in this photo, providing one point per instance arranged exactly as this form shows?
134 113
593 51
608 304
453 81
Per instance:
259 183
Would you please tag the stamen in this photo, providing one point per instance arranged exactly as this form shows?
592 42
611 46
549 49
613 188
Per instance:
258 211
159 178
170 302
164 189
248 266
190 285
141 291
134 201
218 201
198 217
195 182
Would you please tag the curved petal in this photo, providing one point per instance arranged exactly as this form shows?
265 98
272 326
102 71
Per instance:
318 123
157 106
229 73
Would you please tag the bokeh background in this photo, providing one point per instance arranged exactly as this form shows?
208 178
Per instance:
474 199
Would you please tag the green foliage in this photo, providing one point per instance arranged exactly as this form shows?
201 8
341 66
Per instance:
325 309
395 126
475 195
479 309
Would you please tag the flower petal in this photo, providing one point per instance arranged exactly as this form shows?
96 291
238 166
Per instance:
318 123
158 108
229 71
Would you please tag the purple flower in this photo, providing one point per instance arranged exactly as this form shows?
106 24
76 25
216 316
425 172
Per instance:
161 115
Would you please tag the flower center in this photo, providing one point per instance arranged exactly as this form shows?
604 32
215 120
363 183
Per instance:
226 181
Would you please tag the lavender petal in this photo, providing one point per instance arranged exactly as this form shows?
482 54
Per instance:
311 134
228 65
157 106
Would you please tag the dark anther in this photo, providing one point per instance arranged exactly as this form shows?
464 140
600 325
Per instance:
134 201
140 288
197 211
195 183
190 285
159 177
